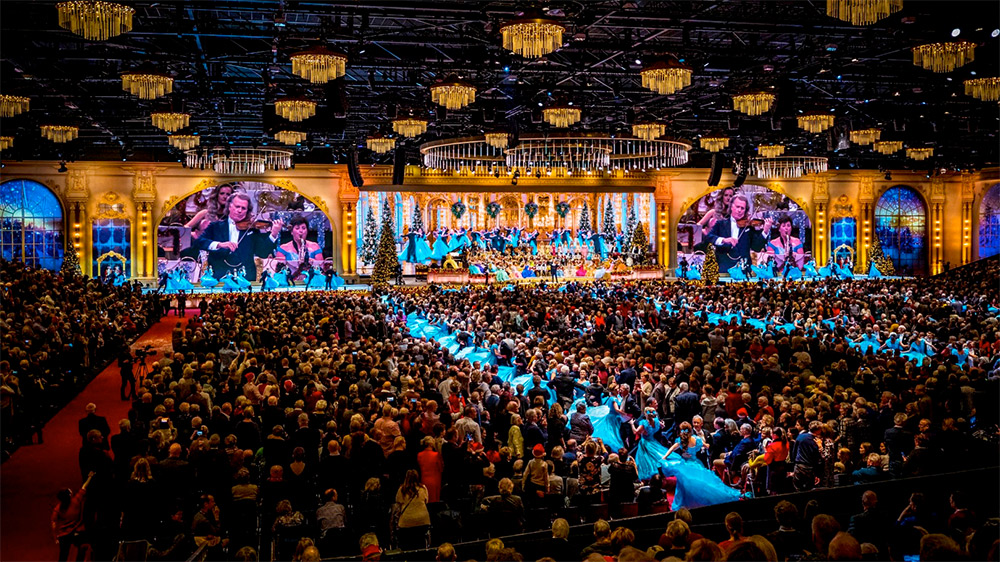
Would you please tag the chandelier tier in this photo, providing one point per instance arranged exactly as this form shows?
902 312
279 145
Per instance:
409 126
561 116
714 142
380 144
753 103
497 139
649 130
13 105
815 122
787 166
240 161
919 153
290 137
319 65
295 109
862 12
147 83
665 76
170 121
95 20
6 142
944 57
887 147
60 133
532 36
184 142
864 137
453 93
771 150
985 89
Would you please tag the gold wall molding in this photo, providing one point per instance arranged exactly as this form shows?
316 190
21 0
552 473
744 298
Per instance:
111 199
78 184
842 207
143 181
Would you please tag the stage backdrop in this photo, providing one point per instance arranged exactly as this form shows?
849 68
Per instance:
697 222
190 216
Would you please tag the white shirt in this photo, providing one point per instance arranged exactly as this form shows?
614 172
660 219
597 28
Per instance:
734 232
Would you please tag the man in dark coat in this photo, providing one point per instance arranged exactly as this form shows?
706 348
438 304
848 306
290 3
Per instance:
93 421
231 244
686 405
734 238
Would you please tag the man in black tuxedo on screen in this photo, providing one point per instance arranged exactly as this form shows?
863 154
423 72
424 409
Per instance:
230 246
735 237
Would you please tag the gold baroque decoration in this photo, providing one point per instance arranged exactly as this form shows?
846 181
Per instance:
842 208
110 254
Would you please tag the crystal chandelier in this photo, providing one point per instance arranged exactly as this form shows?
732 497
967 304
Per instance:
862 12
13 105
985 89
497 139
865 137
95 20
147 83
6 142
379 144
919 153
532 36
319 65
649 130
887 147
753 103
409 126
295 109
815 122
184 142
561 116
944 57
665 76
453 93
771 150
240 161
290 137
170 121
60 133
787 166
714 142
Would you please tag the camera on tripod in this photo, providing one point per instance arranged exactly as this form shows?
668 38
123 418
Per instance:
142 352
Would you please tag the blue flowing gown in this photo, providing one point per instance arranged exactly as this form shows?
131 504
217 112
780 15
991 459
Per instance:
697 486
606 423
649 452
318 280
440 249
208 281
229 283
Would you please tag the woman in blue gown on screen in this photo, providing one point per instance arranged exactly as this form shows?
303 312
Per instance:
696 485
441 247
241 278
648 451
208 280
181 282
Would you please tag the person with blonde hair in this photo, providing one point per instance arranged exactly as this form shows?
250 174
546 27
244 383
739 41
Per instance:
413 521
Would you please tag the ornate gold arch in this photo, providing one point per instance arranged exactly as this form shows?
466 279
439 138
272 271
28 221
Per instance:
209 182
110 254
774 186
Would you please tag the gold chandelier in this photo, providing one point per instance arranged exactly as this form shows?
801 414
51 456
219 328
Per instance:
95 20
944 57
453 93
60 133
13 105
170 121
295 109
532 36
497 139
985 89
771 150
147 83
919 153
184 142
561 116
714 142
409 126
753 103
815 122
290 137
380 144
665 76
319 65
6 142
862 12
649 130
888 147
865 137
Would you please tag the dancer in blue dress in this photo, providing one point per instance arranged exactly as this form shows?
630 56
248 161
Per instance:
533 242
416 249
597 239
648 451
441 248
208 280
181 282
919 350
229 282
867 342
696 485
555 237
318 280
241 278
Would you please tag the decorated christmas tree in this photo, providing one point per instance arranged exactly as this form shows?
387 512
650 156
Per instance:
71 262
630 223
710 271
608 229
386 260
877 256
585 217
640 244
369 241
417 220
387 215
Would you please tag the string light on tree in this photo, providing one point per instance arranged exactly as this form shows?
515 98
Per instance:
710 269
877 257
640 243
370 238
71 262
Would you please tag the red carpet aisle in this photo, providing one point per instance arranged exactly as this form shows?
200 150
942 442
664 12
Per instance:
30 479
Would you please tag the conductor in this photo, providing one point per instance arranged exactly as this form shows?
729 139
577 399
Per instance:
231 243
734 238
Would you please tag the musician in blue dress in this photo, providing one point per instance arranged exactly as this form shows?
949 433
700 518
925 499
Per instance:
696 485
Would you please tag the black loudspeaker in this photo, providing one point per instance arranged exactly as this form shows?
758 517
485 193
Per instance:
442 113
716 174
630 116
489 115
399 166
743 168
353 172
390 111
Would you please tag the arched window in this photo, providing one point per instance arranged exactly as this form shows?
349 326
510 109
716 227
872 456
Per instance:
989 223
31 224
901 227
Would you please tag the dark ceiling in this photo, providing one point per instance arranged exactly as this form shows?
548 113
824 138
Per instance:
230 61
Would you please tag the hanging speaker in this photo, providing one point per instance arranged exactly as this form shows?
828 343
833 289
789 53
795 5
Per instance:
399 166
353 171
442 113
390 111
743 168
716 174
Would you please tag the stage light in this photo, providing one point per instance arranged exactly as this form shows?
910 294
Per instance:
956 32
996 33
62 168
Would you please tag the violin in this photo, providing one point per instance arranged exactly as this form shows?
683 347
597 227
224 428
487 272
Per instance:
756 222
258 224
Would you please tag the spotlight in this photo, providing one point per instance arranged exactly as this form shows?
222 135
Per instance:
513 181
996 33
888 175
956 32
62 168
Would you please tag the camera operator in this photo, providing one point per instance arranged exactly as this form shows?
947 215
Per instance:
125 367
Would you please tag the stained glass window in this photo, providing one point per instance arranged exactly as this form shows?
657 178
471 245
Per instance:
843 239
31 224
901 227
112 242
989 223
